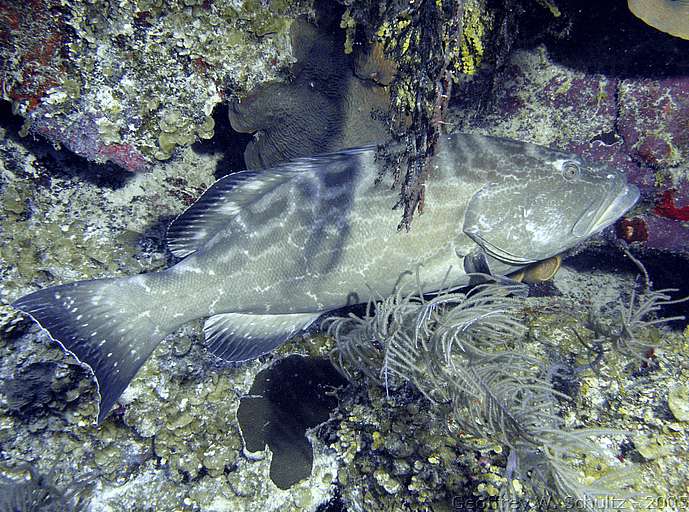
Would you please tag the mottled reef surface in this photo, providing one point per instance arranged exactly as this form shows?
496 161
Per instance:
174 442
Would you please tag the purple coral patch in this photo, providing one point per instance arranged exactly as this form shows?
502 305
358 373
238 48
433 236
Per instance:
82 137
653 120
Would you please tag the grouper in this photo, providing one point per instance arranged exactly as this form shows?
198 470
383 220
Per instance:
266 253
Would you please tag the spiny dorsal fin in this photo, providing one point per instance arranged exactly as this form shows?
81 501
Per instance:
198 223
241 337
227 196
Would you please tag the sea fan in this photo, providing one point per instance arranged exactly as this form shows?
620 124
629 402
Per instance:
624 329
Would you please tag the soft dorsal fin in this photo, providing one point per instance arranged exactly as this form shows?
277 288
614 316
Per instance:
241 337
227 196
223 199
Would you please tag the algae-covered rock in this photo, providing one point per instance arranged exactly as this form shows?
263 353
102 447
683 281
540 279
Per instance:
102 79
652 446
678 401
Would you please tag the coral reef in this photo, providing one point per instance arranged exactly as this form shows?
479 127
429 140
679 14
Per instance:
129 82
468 355
325 107
136 82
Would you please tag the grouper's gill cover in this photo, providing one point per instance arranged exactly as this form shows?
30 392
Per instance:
544 206
266 253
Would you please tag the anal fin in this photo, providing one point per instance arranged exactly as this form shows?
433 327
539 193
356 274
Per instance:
241 337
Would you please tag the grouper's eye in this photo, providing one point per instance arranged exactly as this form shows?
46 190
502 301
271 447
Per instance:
570 170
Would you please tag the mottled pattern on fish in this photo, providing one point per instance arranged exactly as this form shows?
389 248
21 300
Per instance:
266 253
316 238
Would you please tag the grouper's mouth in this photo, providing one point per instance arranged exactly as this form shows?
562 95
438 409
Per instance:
612 207
495 251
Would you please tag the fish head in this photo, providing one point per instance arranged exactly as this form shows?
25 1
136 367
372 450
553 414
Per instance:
545 203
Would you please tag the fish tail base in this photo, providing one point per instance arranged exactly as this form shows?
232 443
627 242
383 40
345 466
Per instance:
101 323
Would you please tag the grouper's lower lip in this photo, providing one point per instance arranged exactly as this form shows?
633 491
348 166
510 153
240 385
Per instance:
499 254
622 203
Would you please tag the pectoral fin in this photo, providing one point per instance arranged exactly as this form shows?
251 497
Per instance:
241 337
477 261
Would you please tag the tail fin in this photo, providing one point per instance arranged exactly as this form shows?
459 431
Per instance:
106 324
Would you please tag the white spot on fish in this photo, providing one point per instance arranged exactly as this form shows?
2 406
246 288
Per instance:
229 208
253 185
141 281
193 270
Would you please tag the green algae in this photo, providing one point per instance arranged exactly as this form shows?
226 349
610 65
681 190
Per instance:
183 54
477 23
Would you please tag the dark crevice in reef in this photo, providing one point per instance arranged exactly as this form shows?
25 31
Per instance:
334 505
226 141
605 37
29 391
9 121
285 400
